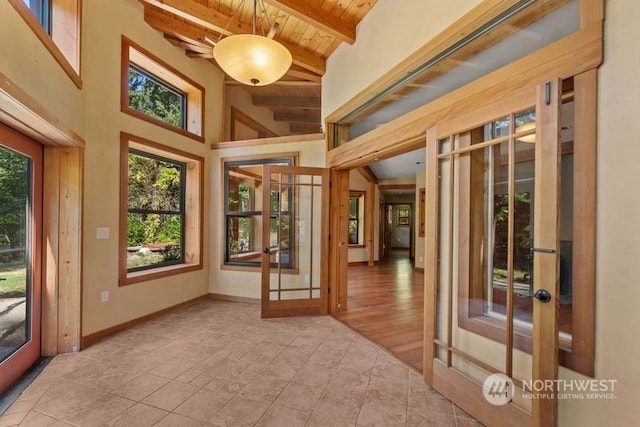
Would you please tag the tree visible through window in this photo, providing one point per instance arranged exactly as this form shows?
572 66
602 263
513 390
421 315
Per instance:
156 98
155 211
354 220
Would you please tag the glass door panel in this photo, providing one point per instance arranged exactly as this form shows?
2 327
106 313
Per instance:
20 194
294 273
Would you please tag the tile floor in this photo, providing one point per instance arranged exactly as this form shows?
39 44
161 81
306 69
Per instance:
218 364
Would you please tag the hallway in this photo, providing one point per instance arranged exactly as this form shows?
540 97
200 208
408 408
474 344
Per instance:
385 304
216 363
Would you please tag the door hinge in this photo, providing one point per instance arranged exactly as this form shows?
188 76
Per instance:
329 237
329 184
329 290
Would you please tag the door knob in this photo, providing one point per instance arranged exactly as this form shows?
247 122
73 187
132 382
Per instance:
266 250
542 295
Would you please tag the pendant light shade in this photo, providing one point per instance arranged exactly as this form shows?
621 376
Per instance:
252 59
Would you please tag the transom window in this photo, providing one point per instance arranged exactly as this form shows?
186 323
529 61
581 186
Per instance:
42 11
155 92
243 184
156 98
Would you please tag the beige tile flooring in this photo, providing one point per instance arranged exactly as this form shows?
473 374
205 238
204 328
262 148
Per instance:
218 364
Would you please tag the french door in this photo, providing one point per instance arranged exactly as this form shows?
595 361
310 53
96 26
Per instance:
295 241
20 225
493 244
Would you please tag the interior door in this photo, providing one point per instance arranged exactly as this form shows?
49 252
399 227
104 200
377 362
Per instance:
20 218
295 236
491 325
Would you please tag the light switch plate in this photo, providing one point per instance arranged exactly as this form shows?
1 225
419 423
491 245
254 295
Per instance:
102 233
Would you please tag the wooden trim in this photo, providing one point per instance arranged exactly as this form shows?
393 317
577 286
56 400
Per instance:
419 269
134 53
367 174
574 54
194 196
582 355
24 113
467 394
370 217
233 298
383 187
338 248
268 141
91 339
422 197
238 116
71 66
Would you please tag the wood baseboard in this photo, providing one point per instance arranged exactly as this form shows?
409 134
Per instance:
232 298
354 263
89 340
420 269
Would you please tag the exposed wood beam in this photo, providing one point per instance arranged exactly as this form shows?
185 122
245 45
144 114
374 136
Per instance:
231 82
286 101
302 74
193 48
318 17
367 174
192 54
383 187
241 117
302 116
304 128
211 23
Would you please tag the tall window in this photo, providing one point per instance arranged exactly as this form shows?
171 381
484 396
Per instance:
155 92
243 183
156 98
42 11
356 209
155 213
160 210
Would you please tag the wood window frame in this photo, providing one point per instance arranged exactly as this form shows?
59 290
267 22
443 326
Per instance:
362 217
195 108
194 205
422 196
64 39
225 265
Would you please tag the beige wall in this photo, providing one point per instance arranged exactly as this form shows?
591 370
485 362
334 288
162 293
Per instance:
104 24
241 99
94 113
390 32
234 282
384 40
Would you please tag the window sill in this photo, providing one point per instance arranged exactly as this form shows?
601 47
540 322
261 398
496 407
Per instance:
157 273
160 123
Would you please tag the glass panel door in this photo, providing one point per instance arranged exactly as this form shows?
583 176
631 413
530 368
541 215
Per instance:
494 247
20 216
295 237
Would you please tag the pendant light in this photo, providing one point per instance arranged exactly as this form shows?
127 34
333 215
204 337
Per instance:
252 59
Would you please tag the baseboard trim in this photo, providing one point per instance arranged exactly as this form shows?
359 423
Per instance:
419 269
89 340
232 298
356 263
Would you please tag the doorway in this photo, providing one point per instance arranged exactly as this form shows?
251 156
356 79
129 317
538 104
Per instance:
20 254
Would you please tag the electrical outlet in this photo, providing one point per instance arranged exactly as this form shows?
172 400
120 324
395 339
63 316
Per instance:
102 233
104 296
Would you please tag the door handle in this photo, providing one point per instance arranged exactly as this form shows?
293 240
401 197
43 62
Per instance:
266 250
542 295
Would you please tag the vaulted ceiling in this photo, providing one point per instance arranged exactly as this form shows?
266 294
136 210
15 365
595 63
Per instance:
311 29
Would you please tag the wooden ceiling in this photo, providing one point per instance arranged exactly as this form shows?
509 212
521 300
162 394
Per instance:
311 29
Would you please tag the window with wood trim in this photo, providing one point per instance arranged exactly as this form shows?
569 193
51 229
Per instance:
486 196
243 184
154 91
356 218
57 23
161 218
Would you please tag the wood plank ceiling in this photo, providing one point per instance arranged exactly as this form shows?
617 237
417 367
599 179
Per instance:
311 29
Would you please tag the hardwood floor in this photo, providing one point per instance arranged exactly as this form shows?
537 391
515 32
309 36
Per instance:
385 304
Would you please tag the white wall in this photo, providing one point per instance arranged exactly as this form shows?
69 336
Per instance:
234 282
389 33
618 229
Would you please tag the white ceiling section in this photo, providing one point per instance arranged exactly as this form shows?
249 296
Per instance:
403 166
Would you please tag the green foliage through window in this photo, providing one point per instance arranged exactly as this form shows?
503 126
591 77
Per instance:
156 98
155 211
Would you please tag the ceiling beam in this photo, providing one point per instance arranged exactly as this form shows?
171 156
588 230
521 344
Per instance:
215 23
310 102
304 128
318 17
302 83
177 42
302 116
367 174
